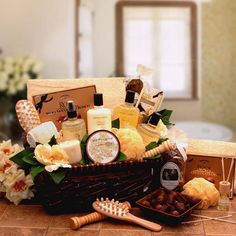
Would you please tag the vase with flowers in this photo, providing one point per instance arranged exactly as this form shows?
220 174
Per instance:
14 74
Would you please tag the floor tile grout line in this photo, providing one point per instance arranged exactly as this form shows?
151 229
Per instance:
46 231
3 212
22 227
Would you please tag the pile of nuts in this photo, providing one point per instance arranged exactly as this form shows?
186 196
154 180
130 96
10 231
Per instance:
173 203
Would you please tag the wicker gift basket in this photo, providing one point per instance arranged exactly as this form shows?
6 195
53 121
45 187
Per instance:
126 181
81 184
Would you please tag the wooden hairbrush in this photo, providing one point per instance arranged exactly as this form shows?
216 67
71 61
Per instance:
120 211
77 222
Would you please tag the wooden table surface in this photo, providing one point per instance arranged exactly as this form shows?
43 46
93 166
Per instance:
33 220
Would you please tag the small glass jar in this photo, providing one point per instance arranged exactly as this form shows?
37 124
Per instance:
224 202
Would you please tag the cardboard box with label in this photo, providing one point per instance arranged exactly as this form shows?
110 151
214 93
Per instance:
52 106
204 160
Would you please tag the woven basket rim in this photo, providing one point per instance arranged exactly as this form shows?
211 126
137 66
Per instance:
126 162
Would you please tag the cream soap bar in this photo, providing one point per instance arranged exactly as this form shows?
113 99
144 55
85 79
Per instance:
73 150
41 133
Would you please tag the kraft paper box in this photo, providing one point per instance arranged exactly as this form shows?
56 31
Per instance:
204 160
52 106
113 89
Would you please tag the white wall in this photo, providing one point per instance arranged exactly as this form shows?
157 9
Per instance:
44 28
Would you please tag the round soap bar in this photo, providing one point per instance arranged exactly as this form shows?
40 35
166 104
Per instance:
102 146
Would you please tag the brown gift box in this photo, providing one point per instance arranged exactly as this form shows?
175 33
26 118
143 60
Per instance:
52 106
204 160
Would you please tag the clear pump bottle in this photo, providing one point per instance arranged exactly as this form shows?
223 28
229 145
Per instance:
127 113
73 128
149 131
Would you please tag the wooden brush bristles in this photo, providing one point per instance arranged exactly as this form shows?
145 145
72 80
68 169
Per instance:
164 147
77 222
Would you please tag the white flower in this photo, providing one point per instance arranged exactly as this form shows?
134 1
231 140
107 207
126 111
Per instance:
18 186
8 68
37 67
47 155
54 167
3 81
27 64
8 149
12 87
9 60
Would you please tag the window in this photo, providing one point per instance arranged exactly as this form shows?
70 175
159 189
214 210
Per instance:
86 64
162 36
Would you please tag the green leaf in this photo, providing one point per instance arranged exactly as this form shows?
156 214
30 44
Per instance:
115 123
82 162
152 158
166 114
84 139
151 146
18 158
52 141
161 140
31 160
36 170
121 157
58 175
85 159
145 118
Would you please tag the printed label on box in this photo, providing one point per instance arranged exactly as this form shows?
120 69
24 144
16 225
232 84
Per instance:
52 106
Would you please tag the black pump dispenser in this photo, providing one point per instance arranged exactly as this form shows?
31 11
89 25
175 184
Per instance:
129 98
154 119
98 99
71 110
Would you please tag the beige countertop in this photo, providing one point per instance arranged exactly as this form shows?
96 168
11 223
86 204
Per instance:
33 220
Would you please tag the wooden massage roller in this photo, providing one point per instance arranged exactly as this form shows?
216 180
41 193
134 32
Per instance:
166 146
77 222
27 115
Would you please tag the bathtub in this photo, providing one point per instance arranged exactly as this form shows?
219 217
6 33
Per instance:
205 130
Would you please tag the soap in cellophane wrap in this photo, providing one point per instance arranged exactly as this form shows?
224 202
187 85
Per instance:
148 98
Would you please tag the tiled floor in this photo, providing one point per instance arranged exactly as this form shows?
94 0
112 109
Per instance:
33 220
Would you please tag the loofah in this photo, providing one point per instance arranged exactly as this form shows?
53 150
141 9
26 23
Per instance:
131 143
204 190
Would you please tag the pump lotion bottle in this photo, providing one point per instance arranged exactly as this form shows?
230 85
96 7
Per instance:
99 118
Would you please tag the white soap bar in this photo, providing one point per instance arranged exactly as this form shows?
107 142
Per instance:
73 150
41 133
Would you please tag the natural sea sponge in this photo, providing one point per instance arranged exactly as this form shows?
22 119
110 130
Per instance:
204 190
131 143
